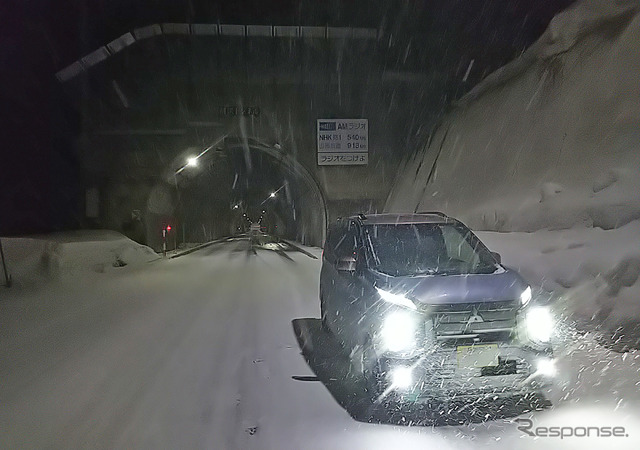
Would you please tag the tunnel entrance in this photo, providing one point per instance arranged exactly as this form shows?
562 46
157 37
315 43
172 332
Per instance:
236 184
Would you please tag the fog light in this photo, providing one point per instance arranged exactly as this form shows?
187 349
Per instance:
546 367
401 377
399 331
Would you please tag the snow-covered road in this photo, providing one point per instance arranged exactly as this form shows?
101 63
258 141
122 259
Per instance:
200 352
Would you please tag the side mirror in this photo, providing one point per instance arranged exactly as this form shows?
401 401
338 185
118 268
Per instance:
497 257
346 264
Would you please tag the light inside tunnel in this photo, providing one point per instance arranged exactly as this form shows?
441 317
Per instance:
192 161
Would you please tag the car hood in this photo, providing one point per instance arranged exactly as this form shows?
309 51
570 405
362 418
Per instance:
502 285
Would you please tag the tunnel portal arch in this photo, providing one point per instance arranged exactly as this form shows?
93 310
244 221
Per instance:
163 199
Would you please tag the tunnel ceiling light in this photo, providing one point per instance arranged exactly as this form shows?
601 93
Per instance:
192 161
273 194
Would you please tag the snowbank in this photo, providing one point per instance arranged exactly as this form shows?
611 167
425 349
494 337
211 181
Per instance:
35 259
551 140
593 273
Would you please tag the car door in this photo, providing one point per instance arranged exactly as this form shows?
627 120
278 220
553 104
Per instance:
327 274
346 285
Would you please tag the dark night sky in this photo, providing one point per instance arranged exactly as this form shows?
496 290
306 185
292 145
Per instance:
38 171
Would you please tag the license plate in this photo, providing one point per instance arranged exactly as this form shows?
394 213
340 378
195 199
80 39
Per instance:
481 355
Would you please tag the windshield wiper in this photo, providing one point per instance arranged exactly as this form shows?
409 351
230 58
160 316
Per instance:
487 269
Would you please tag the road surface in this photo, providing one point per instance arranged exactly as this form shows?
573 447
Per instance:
222 349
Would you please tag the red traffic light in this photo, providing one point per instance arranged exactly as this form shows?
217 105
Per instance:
168 227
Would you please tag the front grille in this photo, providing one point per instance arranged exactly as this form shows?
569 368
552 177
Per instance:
493 320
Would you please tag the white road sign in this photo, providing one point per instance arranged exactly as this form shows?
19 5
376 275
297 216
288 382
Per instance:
343 142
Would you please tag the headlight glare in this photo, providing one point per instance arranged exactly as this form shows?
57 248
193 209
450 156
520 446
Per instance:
539 324
401 377
546 367
525 297
396 299
399 331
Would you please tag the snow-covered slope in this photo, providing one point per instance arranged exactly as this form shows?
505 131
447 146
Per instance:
549 141
36 259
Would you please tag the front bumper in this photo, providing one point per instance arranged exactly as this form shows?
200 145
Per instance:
452 373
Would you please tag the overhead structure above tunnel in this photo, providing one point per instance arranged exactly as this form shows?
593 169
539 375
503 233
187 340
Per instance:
210 29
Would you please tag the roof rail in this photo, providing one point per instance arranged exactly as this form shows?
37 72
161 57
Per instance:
435 213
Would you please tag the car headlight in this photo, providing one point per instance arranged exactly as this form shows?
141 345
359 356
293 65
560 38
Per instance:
401 377
396 299
398 332
539 324
525 297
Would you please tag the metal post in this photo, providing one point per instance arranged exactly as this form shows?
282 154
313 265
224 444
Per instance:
7 278
164 242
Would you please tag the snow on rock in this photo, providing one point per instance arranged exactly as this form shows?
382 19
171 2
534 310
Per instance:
36 259
551 140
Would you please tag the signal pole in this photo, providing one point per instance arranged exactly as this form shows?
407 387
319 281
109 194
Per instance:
7 278
165 231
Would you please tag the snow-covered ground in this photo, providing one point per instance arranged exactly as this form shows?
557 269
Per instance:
202 351
591 273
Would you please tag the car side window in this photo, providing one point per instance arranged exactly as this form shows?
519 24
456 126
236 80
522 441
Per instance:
328 240
458 246
330 244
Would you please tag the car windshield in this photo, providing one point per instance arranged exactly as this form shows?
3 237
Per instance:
427 249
